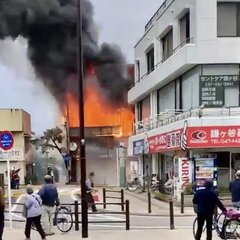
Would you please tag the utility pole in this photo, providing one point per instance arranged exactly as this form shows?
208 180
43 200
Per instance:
84 208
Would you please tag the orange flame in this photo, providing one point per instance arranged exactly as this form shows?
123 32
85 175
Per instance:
98 112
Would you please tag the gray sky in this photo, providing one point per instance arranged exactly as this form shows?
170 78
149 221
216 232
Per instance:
120 21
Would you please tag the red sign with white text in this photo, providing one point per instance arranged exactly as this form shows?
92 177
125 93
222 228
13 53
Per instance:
166 141
214 136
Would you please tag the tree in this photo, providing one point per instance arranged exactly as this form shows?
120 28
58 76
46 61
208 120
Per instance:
50 140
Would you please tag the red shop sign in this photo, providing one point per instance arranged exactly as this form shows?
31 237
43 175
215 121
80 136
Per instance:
214 136
165 141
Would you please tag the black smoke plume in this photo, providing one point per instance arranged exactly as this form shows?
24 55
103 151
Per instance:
50 28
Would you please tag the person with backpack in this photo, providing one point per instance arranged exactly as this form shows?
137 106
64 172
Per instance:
206 200
33 211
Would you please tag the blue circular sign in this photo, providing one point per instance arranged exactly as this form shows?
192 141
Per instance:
6 140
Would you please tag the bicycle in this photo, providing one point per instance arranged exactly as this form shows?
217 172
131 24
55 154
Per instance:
62 218
227 225
134 185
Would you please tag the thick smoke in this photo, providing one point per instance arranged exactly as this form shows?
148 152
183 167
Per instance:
50 28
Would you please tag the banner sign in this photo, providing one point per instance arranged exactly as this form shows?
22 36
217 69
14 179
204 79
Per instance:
138 147
166 141
213 137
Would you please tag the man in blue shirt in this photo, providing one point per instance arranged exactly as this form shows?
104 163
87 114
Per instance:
206 201
49 196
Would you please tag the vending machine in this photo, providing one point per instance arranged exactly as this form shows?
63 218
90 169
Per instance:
205 168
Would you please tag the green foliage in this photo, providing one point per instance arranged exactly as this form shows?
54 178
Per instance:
161 196
188 190
223 190
50 140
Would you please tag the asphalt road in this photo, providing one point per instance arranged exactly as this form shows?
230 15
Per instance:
69 193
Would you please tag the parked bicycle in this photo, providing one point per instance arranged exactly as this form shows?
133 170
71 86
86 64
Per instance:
134 185
227 225
62 218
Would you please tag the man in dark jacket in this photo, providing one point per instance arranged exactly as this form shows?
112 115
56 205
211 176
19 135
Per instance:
206 201
234 188
49 196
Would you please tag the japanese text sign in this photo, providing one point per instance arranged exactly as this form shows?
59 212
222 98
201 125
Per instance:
213 136
165 141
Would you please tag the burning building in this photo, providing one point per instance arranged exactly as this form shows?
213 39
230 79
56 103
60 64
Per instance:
50 28
107 128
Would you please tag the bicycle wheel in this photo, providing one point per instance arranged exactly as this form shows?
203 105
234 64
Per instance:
63 219
232 229
132 186
195 227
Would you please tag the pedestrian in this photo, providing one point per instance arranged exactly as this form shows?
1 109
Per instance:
89 190
234 188
16 180
50 173
49 196
33 212
206 201
2 208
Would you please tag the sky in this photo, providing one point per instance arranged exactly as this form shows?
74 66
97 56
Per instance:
119 22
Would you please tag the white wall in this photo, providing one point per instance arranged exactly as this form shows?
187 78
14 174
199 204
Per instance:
205 49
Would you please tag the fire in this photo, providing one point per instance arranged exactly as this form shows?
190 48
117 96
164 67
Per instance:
98 112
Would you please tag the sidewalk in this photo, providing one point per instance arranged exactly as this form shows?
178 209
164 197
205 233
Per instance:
161 234
139 205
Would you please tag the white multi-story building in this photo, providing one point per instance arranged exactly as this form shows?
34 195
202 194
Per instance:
186 92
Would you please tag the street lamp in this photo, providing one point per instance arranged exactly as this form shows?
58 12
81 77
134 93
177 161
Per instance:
84 208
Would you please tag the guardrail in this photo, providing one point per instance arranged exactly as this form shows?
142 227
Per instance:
126 213
121 197
74 210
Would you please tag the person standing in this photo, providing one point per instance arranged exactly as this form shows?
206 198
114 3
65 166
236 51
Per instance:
49 196
89 190
2 208
206 201
234 188
33 212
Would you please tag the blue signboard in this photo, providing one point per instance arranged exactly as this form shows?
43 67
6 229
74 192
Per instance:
138 147
6 140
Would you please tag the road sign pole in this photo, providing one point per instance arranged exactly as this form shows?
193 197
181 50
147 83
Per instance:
9 193
6 144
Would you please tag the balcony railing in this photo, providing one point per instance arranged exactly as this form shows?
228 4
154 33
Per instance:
186 41
171 116
165 5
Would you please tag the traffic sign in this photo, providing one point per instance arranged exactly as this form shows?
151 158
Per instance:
6 140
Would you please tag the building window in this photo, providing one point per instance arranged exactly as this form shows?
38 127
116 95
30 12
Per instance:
150 60
166 97
167 45
185 29
138 70
143 109
228 19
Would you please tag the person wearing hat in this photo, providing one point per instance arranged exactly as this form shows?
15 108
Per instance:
206 201
234 187
49 196
32 212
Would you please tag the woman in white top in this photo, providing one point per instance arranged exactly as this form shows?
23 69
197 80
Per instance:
33 212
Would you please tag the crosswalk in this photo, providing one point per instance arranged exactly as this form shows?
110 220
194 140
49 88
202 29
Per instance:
67 195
